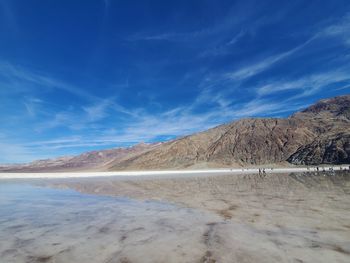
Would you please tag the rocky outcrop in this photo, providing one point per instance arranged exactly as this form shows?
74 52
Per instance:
326 149
259 141
337 107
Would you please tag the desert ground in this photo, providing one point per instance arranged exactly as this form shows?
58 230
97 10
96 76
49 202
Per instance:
227 217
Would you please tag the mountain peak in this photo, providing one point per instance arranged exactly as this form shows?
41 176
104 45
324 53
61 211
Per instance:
328 108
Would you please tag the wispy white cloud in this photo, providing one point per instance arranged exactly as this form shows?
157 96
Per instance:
265 107
346 87
14 153
264 64
165 36
30 109
19 77
305 86
240 12
98 110
236 38
32 106
340 29
88 116
222 49
63 140
27 86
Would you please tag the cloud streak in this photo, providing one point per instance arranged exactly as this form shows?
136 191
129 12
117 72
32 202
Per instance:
340 29
260 66
18 78
306 86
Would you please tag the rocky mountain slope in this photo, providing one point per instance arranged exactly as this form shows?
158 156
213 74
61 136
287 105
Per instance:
318 134
89 161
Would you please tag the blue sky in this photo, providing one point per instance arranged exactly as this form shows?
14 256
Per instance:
84 75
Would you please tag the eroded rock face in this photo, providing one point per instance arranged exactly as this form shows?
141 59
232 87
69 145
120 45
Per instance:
259 141
331 150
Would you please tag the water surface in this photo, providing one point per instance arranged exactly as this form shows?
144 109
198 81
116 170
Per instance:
48 225
232 218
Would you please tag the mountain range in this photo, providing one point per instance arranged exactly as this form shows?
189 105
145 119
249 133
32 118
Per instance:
319 134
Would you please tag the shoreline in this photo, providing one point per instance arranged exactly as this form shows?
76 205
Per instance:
175 173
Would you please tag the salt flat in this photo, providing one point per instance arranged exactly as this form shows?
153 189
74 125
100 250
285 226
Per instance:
166 172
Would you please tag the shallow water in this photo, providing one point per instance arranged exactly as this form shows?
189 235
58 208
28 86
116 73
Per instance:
48 225
277 218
